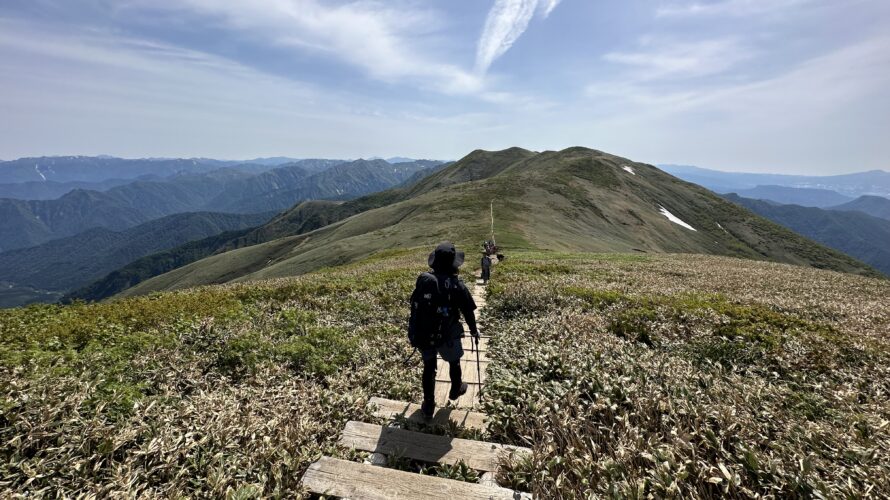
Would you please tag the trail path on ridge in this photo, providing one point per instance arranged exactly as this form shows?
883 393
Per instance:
374 480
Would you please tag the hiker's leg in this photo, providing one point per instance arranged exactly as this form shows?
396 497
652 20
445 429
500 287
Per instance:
455 373
429 378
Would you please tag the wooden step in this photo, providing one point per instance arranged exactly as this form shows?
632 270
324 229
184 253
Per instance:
389 409
482 334
468 401
471 356
341 478
470 373
468 343
429 448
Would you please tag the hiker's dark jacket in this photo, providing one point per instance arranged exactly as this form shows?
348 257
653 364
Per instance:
461 300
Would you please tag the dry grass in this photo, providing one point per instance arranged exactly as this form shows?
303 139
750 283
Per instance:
215 392
690 376
682 376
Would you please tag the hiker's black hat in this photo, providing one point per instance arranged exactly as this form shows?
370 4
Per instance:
446 257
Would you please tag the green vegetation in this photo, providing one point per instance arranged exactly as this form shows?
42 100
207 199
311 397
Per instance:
689 376
207 392
67 263
849 230
628 375
572 200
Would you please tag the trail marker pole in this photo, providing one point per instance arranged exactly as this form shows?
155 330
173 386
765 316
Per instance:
492 223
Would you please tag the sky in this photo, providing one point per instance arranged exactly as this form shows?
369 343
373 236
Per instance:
785 86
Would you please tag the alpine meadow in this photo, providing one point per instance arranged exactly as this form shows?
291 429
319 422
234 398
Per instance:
511 249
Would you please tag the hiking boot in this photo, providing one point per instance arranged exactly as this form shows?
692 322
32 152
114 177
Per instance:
428 408
458 393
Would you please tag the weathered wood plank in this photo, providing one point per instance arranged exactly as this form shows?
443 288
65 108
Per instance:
471 356
467 343
388 409
335 477
430 448
467 401
469 371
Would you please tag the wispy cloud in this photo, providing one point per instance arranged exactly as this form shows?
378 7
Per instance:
381 39
506 22
661 58
816 87
548 6
727 7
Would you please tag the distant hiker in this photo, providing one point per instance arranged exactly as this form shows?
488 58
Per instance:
486 269
438 300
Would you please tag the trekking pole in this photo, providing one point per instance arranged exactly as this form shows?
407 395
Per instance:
478 366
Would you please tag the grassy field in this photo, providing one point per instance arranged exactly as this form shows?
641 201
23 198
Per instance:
690 376
218 391
628 375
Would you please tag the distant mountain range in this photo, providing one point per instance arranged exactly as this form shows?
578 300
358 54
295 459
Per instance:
874 182
50 190
855 233
26 223
876 206
573 200
68 263
807 197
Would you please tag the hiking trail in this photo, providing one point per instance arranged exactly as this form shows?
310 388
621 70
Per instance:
374 480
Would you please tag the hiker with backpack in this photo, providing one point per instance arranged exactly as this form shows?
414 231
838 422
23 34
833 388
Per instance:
438 301
486 268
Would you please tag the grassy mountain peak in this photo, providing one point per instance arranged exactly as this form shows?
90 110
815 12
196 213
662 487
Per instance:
577 199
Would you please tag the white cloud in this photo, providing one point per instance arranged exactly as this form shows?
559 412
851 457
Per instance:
548 6
506 22
382 39
823 83
662 58
727 8
826 113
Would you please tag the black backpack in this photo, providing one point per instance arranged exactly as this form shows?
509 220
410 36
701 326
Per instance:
430 322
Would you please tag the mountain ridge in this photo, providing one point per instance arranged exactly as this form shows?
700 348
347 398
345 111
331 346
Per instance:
32 222
876 206
871 182
855 233
575 199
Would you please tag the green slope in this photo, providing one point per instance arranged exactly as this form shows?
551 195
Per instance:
855 233
28 223
572 200
876 206
63 264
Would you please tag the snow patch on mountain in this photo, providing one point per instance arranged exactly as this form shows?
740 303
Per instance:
673 218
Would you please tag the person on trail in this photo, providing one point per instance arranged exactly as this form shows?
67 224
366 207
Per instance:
438 301
486 269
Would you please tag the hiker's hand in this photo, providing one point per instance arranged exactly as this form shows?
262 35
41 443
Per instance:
476 338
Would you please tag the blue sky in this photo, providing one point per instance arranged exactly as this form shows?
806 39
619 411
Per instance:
795 86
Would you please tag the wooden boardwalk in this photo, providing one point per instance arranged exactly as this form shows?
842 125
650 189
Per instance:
340 478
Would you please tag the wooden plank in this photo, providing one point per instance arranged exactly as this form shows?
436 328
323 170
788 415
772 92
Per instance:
468 343
470 373
341 478
468 368
429 448
467 401
468 357
388 409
